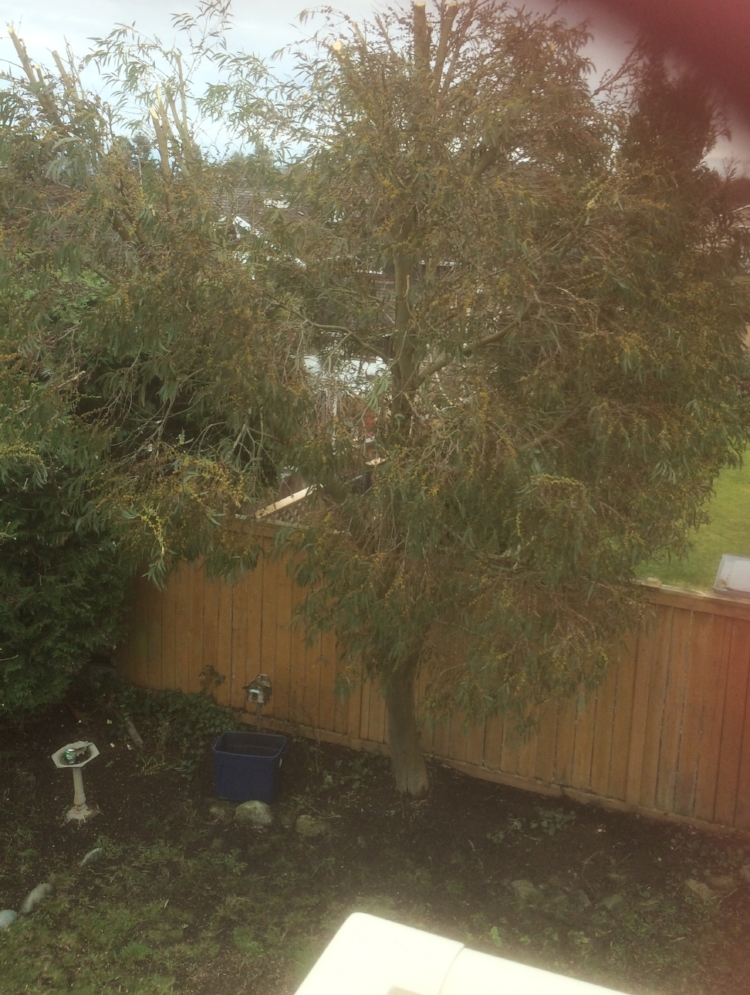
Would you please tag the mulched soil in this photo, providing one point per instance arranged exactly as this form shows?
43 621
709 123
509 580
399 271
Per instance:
450 863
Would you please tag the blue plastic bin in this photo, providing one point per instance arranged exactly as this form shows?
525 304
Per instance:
246 765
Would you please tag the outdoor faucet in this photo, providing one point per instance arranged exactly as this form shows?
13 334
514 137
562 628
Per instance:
259 691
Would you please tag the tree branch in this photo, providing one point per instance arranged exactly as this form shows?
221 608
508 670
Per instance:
46 102
337 328
446 26
421 37
466 350
162 129
484 162
467 16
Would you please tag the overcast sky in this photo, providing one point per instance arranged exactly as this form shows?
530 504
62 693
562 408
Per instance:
261 27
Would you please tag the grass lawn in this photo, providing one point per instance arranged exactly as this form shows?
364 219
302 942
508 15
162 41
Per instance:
728 532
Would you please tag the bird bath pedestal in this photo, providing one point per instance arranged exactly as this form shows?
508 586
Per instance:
75 756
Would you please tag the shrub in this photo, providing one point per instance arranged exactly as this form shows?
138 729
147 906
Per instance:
63 585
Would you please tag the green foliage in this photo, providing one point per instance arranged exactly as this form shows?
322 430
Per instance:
544 278
137 337
178 727
181 901
727 531
558 327
63 588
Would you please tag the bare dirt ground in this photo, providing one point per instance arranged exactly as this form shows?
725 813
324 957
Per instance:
181 899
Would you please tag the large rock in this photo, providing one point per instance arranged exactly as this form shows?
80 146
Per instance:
287 816
723 883
221 811
92 856
309 826
581 899
253 813
524 890
7 918
613 903
35 897
701 890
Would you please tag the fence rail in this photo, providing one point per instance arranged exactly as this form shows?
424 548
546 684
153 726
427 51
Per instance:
667 734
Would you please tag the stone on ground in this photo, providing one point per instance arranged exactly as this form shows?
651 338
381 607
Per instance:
723 883
287 817
613 903
222 811
524 889
7 918
701 890
92 855
35 897
253 813
309 826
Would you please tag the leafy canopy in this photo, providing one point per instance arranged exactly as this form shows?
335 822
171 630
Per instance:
546 278
139 338
542 278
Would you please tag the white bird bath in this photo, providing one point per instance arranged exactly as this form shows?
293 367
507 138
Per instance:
75 756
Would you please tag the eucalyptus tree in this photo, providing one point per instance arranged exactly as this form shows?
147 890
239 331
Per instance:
139 351
552 312
145 385
549 309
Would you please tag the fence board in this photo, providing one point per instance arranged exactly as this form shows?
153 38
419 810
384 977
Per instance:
527 755
224 657
668 731
742 810
326 673
656 687
182 627
376 717
211 597
364 714
584 741
441 739
475 744
511 748
169 633
674 701
289 655
546 740
251 665
565 742
458 741
341 712
698 653
238 643
281 702
355 710
625 671
601 747
731 731
712 717
493 743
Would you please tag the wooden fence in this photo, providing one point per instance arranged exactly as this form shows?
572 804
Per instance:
667 734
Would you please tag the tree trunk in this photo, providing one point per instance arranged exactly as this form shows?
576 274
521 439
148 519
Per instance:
407 760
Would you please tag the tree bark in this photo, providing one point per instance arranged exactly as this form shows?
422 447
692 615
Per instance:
407 759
